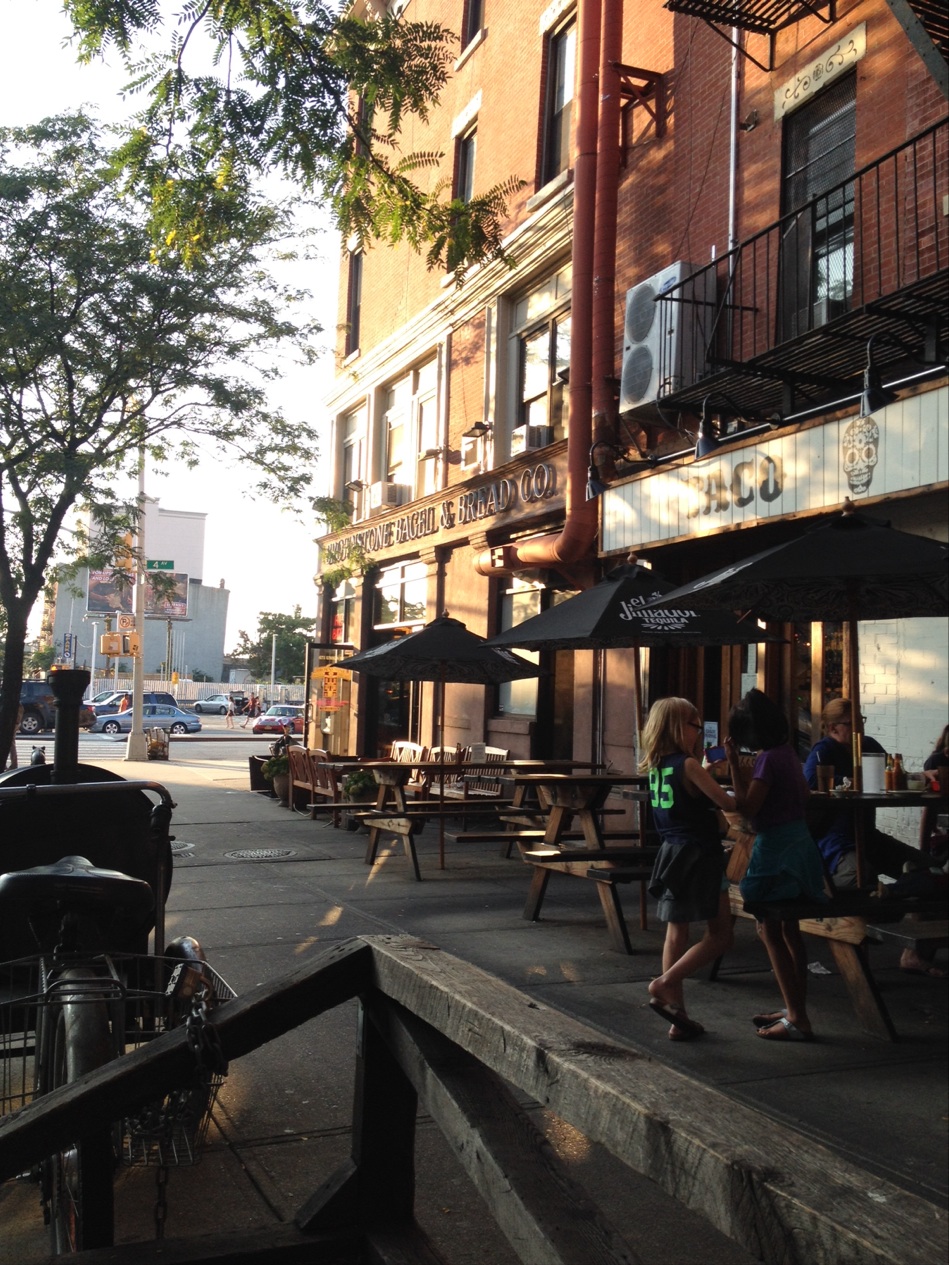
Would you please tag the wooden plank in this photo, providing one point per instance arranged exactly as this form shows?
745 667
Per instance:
279 1245
333 976
777 1192
400 1245
544 1215
932 935
865 997
398 825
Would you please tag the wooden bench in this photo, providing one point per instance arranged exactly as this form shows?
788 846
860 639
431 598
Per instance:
403 826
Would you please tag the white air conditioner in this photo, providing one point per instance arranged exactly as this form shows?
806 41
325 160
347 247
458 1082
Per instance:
384 496
664 343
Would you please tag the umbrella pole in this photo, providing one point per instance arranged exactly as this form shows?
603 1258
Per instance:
441 771
853 686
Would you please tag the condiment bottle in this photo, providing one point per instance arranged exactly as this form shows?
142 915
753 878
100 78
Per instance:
899 773
889 782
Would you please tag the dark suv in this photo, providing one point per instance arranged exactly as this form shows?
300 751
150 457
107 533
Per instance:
39 708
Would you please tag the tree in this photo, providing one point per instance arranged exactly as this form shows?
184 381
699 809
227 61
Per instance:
292 633
302 87
109 349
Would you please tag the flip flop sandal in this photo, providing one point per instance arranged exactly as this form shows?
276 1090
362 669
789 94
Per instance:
678 1018
786 1031
768 1021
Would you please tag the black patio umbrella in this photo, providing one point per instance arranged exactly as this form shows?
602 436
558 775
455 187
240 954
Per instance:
444 650
616 613
850 568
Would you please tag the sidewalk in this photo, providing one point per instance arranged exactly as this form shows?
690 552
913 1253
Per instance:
282 1123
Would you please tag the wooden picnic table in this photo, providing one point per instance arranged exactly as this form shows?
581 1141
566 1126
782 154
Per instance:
578 800
871 799
392 814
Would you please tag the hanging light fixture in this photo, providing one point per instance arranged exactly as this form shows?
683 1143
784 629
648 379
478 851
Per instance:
875 395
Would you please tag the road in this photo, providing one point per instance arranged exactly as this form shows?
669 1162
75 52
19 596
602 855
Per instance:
214 740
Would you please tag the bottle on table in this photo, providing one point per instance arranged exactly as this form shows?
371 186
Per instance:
899 773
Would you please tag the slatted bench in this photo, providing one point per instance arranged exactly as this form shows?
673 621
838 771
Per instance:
921 936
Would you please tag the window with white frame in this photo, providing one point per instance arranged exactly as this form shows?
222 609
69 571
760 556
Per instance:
558 111
400 595
472 21
412 449
541 351
351 468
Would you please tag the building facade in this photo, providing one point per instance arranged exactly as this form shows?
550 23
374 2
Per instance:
187 636
724 299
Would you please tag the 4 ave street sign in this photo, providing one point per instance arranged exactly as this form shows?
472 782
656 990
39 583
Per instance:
159 564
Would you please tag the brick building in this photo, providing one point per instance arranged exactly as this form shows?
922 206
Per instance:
719 226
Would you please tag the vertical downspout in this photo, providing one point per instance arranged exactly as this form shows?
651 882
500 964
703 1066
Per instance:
604 287
733 145
576 542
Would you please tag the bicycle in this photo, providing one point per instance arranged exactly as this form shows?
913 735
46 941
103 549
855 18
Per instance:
91 991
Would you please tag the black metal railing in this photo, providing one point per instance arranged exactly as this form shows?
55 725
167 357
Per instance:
786 315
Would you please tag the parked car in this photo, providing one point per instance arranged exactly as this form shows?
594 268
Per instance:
153 697
102 697
276 719
216 704
39 708
155 716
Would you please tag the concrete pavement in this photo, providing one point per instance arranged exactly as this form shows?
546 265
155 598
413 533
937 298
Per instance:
282 1122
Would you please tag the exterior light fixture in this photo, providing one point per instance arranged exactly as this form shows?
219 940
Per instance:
477 431
875 395
355 485
706 441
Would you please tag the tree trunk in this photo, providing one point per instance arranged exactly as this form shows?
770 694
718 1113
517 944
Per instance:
14 643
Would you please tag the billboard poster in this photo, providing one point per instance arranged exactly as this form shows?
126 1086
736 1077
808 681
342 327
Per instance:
111 593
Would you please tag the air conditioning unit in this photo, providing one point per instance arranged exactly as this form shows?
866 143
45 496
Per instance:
384 496
664 343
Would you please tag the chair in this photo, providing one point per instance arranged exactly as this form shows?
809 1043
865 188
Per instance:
454 787
301 780
410 753
326 783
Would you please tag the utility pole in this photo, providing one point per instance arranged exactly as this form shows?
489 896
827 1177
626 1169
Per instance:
137 748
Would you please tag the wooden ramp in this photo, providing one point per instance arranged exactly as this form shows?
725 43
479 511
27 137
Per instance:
441 1033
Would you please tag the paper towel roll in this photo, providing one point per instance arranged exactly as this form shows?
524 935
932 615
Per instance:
874 772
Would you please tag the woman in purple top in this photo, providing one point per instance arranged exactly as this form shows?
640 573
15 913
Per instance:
785 864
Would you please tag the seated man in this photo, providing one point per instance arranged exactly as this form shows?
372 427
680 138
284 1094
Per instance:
835 831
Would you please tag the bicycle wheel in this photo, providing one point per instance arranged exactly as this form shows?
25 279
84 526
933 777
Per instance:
78 1179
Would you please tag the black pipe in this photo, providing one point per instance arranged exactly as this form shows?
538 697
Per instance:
68 686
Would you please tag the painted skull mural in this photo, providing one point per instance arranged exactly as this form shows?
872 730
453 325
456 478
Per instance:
860 448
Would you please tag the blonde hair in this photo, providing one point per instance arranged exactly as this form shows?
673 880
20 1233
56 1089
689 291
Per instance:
838 711
665 730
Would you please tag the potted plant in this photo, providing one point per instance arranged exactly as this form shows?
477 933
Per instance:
360 788
276 769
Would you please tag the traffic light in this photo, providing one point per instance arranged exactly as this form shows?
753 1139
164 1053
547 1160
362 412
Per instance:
131 644
121 644
124 556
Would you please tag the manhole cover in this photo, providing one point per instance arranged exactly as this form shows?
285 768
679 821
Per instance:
259 854
180 846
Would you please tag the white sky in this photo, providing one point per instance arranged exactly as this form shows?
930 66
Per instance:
265 556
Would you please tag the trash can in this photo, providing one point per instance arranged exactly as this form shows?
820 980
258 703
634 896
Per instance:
157 744
257 780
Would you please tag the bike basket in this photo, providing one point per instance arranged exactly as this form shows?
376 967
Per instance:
143 997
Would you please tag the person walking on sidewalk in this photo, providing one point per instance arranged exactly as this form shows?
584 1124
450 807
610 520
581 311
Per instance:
229 717
688 877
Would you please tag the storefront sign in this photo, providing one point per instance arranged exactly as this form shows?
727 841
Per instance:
473 505
809 469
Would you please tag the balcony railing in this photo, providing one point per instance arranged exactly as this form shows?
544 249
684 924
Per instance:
782 322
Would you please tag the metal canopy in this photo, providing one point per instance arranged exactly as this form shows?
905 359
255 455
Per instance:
760 17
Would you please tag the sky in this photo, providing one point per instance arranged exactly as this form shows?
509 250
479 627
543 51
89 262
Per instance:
264 554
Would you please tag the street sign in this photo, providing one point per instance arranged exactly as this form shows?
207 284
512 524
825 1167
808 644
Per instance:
159 564
125 623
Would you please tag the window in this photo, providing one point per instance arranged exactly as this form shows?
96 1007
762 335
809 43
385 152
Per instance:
558 115
465 149
411 430
521 601
401 593
472 21
354 302
542 349
351 465
817 238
